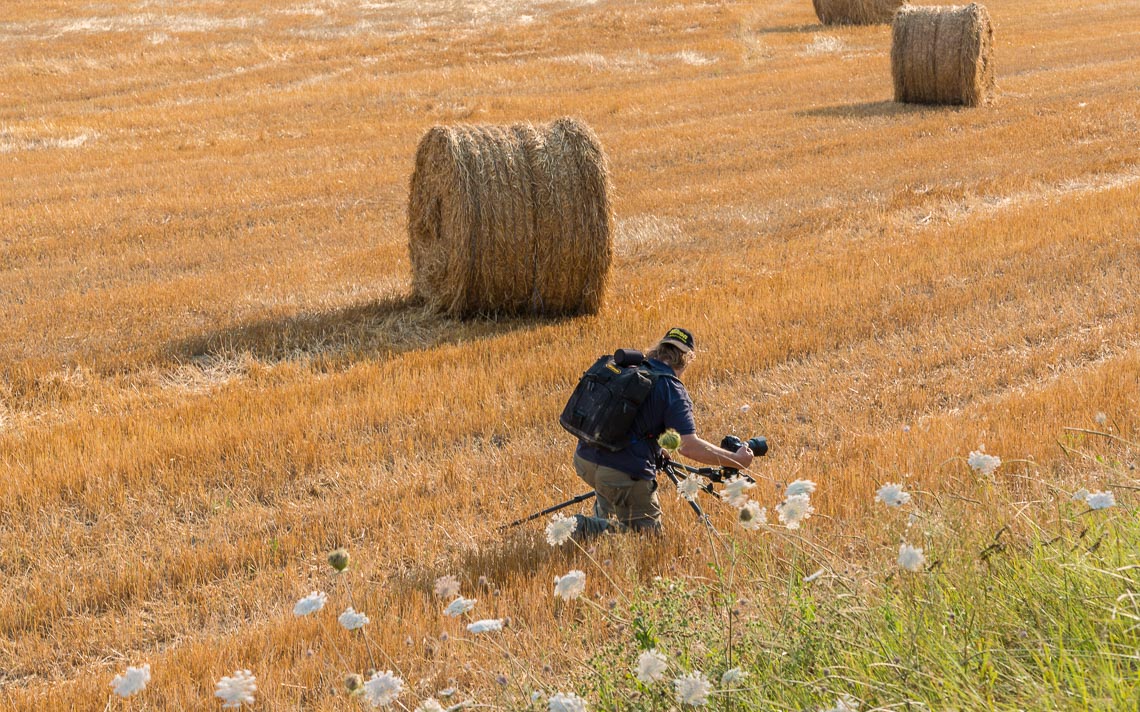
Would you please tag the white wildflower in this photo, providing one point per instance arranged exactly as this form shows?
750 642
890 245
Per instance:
447 586
459 606
560 529
235 690
1100 418
732 676
571 585
736 491
651 666
813 577
843 704
689 487
312 603
567 702
430 705
800 487
693 689
383 689
351 620
1080 495
983 463
892 495
753 516
132 681
911 558
486 625
794 510
1101 500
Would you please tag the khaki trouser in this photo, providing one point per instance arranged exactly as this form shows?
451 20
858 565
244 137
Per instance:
633 503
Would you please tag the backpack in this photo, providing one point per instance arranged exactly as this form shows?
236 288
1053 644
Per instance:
607 398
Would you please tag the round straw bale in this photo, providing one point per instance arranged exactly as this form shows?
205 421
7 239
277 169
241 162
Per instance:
943 55
856 12
510 220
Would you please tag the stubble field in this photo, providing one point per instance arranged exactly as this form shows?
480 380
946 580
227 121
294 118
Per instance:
213 372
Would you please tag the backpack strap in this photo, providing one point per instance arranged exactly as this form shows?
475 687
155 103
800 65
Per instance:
653 374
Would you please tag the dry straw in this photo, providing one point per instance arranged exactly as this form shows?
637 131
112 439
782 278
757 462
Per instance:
943 55
510 220
856 12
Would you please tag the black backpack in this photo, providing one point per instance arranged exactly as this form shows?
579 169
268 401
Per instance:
605 402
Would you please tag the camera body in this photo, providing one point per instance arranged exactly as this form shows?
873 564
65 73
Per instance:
758 445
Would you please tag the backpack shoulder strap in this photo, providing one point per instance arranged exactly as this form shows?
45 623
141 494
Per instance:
655 373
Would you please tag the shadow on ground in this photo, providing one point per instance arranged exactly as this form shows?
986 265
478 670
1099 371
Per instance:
787 29
873 108
369 330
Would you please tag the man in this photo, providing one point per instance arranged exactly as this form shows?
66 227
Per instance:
625 482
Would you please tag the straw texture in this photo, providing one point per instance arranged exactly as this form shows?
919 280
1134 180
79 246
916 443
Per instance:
943 55
510 220
856 12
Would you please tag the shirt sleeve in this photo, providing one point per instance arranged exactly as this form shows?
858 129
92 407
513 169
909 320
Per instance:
679 411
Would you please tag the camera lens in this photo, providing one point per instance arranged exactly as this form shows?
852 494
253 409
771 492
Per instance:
758 446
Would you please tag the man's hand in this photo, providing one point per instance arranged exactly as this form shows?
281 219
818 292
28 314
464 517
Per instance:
706 453
743 456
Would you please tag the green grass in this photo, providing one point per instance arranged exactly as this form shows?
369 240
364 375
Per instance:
1048 623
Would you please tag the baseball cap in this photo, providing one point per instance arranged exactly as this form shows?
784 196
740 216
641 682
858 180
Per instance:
681 338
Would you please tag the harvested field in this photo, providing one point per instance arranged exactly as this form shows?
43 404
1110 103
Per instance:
214 369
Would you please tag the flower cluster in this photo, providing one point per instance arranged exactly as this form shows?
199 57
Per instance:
571 585
233 691
560 529
132 681
892 495
982 463
911 558
735 490
1095 500
794 510
312 603
752 516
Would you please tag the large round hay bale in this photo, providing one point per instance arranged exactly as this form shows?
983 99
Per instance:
510 220
943 55
856 12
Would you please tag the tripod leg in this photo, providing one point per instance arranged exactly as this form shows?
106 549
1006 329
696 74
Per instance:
668 469
549 510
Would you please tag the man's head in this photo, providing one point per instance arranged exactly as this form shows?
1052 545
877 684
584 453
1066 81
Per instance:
674 349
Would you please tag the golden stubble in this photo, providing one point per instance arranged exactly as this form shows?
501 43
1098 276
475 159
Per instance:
213 372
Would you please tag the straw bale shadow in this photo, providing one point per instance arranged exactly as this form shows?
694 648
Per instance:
342 336
870 109
788 29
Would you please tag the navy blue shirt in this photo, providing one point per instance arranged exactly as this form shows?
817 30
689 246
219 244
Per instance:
668 406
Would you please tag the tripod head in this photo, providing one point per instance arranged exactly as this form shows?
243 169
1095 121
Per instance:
712 474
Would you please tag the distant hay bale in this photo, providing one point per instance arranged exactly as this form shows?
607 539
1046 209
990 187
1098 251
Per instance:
856 12
943 55
510 220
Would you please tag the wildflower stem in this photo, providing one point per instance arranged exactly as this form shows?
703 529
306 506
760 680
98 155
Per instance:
1110 436
603 611
600 568
367 639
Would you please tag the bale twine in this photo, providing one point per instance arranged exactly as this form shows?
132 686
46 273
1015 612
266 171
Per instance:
856 12
943 55
510 220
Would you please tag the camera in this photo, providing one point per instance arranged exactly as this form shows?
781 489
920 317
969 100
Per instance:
758 445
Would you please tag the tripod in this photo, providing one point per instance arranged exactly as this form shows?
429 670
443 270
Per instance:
674 471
